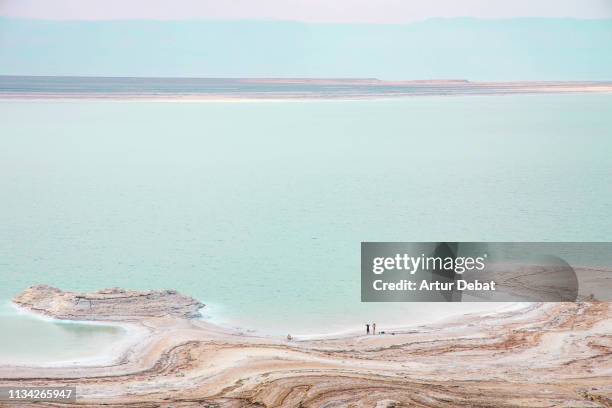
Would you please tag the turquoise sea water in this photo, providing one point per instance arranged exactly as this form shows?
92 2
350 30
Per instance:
32 340
258 209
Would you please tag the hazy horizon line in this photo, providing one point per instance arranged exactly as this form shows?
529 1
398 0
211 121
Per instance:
304 78
274 20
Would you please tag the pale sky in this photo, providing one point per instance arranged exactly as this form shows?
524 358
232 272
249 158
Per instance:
338 11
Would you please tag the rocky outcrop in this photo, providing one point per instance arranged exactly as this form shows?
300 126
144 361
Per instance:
108 305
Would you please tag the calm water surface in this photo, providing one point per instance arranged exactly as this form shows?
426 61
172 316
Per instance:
33 340
258 209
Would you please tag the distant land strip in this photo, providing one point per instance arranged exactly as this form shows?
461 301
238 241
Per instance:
65 87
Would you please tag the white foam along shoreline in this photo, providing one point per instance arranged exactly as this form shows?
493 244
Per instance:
356 328
132 334
135 333
353 331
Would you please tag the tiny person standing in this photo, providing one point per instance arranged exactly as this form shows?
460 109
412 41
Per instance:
373 328
367 328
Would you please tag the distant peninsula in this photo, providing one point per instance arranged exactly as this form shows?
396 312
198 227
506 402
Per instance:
236 89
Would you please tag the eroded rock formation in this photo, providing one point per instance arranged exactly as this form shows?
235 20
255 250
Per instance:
109 304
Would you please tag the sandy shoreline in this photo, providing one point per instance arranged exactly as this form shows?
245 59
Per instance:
554 354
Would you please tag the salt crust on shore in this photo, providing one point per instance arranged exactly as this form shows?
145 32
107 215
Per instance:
539 355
